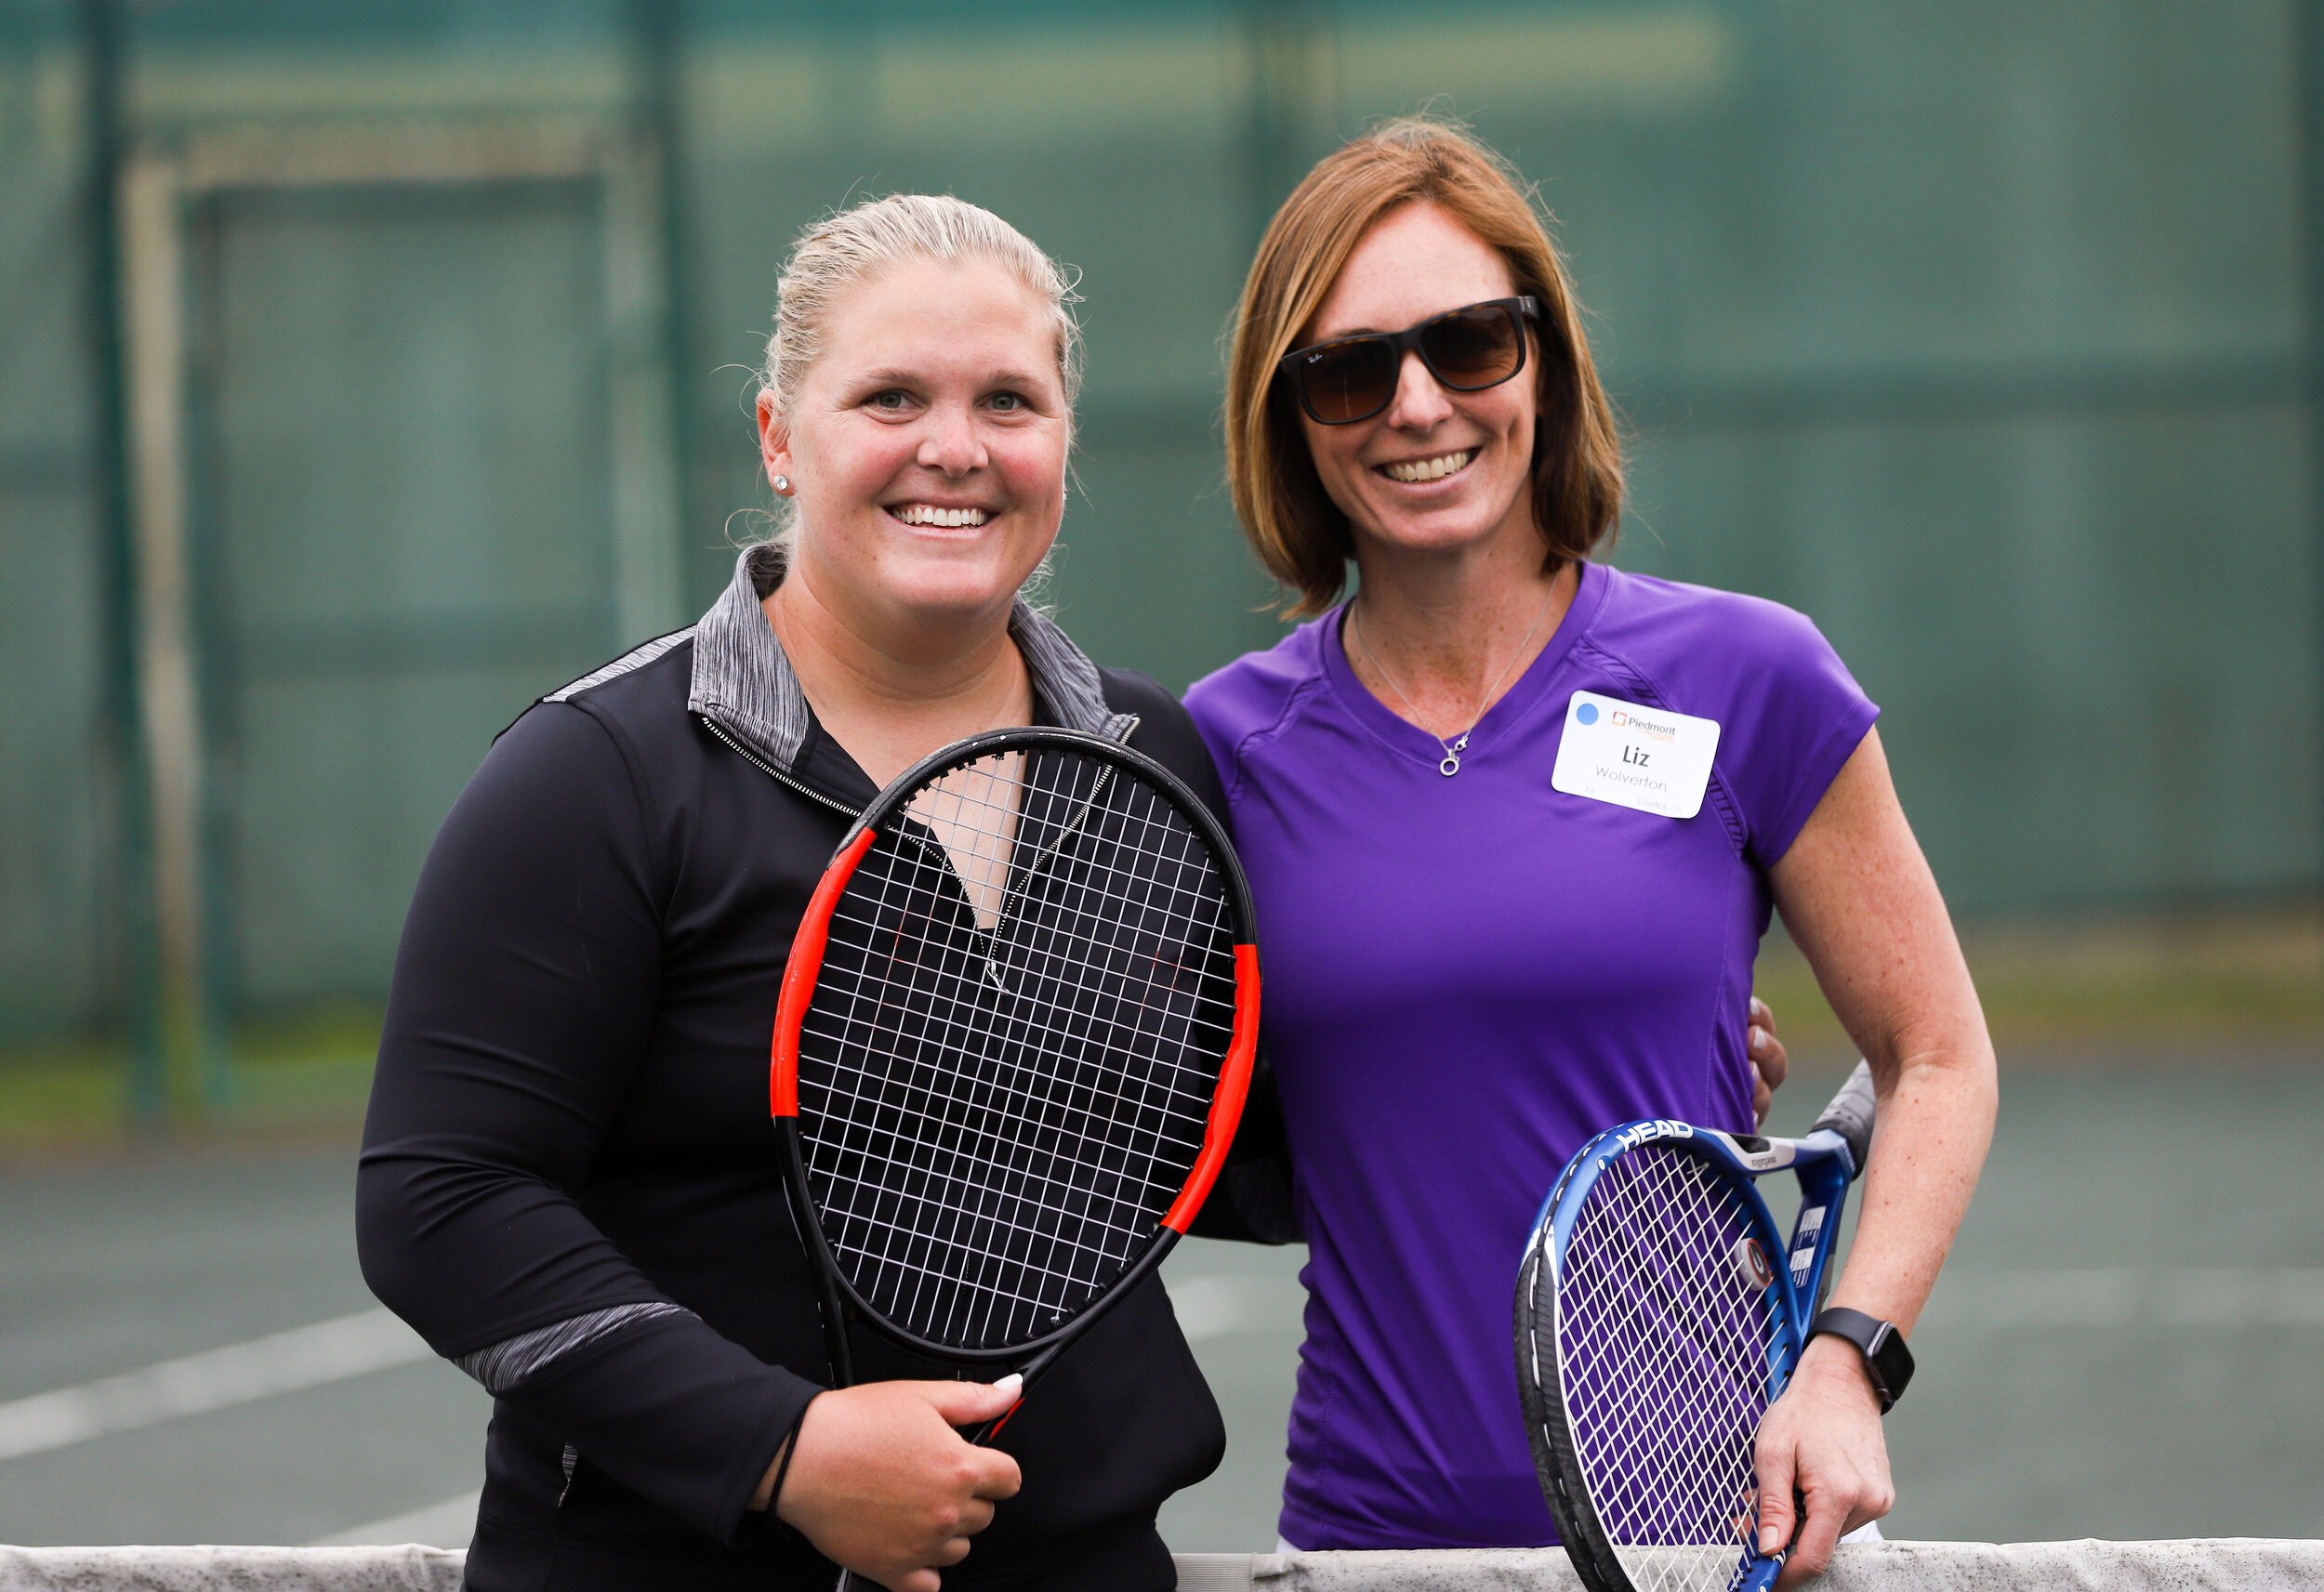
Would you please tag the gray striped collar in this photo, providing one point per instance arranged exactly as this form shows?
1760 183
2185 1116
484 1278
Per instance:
743 683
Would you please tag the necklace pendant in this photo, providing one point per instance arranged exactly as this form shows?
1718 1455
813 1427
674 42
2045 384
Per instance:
1450 766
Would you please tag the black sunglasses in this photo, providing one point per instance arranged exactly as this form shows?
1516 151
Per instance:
1468 349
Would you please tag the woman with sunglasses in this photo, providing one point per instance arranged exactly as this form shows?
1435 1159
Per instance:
1516 821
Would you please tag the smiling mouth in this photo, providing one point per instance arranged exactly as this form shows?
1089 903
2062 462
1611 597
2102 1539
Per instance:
1437 468
945 519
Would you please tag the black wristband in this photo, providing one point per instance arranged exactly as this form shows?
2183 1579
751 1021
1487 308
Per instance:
1886 1360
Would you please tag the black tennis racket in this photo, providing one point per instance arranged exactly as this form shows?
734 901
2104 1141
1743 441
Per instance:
1012 1044
1655 1328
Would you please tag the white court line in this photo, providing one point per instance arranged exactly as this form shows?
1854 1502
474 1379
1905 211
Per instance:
448 1524
2187 1297
283 1362
1208 1305
1218 1304
1214 1305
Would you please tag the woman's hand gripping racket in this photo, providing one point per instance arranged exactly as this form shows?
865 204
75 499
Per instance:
1655 1328
1014 1035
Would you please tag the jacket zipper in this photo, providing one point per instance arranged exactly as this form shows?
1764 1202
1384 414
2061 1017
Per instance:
774 773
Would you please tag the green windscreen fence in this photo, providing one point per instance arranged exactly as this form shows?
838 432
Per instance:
406 532
1978 333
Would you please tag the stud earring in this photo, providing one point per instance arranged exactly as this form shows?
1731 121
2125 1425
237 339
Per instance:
783 483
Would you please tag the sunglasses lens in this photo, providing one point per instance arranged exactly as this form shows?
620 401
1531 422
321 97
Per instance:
1474 347
1348 381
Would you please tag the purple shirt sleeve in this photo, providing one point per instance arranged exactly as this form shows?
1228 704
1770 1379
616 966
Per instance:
1789 713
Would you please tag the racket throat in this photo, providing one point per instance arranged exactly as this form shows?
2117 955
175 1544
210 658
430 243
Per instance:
1031 1371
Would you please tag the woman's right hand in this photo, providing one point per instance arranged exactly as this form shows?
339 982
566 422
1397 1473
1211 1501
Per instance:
882 1485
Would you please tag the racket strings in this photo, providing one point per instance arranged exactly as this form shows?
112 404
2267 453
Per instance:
971 1199
978 853
955 1054
1006 1068
965 801
1667 1348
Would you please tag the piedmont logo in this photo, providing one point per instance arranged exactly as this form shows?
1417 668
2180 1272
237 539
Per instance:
1645 727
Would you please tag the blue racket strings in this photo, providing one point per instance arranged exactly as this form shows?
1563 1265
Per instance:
1667 1340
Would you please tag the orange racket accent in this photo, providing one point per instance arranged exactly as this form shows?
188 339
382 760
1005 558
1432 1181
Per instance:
799 975
995 1432
1226 1105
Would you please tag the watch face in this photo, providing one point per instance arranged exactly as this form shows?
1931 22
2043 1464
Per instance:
1886 1360
1892 1360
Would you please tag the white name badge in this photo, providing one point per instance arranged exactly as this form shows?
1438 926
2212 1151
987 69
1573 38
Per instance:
1636 757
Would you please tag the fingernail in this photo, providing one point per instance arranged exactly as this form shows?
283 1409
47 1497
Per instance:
1011 1384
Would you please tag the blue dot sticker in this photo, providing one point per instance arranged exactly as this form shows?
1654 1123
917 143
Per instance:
1587 713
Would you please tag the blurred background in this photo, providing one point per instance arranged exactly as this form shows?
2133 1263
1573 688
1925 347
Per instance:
368 369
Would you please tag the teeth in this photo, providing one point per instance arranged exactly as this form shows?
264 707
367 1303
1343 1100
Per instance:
929 514
1436 468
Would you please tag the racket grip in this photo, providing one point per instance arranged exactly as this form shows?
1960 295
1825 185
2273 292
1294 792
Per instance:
1850 1114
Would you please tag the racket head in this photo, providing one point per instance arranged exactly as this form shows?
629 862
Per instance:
1015 1032
1655 1322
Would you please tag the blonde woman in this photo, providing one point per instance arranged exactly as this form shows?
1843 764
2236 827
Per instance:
568 1183
1481 950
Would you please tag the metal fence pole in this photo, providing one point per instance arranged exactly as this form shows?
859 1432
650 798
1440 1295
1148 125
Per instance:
657 29
2308 130
132 881
1291 113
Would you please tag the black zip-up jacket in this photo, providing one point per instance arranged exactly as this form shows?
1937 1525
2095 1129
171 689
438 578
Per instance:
570 1184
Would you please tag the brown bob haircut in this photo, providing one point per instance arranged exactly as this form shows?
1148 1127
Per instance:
1297 530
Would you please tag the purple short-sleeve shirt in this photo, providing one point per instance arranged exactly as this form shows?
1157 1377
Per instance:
1467 977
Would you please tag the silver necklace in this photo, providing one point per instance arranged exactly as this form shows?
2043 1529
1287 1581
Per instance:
1451 765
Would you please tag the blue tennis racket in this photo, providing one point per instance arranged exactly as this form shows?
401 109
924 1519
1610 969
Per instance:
1658 1315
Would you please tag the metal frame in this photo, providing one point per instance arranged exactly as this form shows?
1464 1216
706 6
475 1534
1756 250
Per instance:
156 190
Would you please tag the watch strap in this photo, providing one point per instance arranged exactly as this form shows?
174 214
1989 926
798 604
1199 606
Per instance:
1886 1358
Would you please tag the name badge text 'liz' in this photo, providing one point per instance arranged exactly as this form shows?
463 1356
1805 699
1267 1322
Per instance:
1643 758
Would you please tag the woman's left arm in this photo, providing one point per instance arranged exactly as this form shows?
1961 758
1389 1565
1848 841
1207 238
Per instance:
1859 900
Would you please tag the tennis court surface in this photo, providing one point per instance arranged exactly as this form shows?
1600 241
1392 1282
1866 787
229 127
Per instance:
2125 1345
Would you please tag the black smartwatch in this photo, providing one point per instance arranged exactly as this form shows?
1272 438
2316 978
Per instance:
1886 1358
